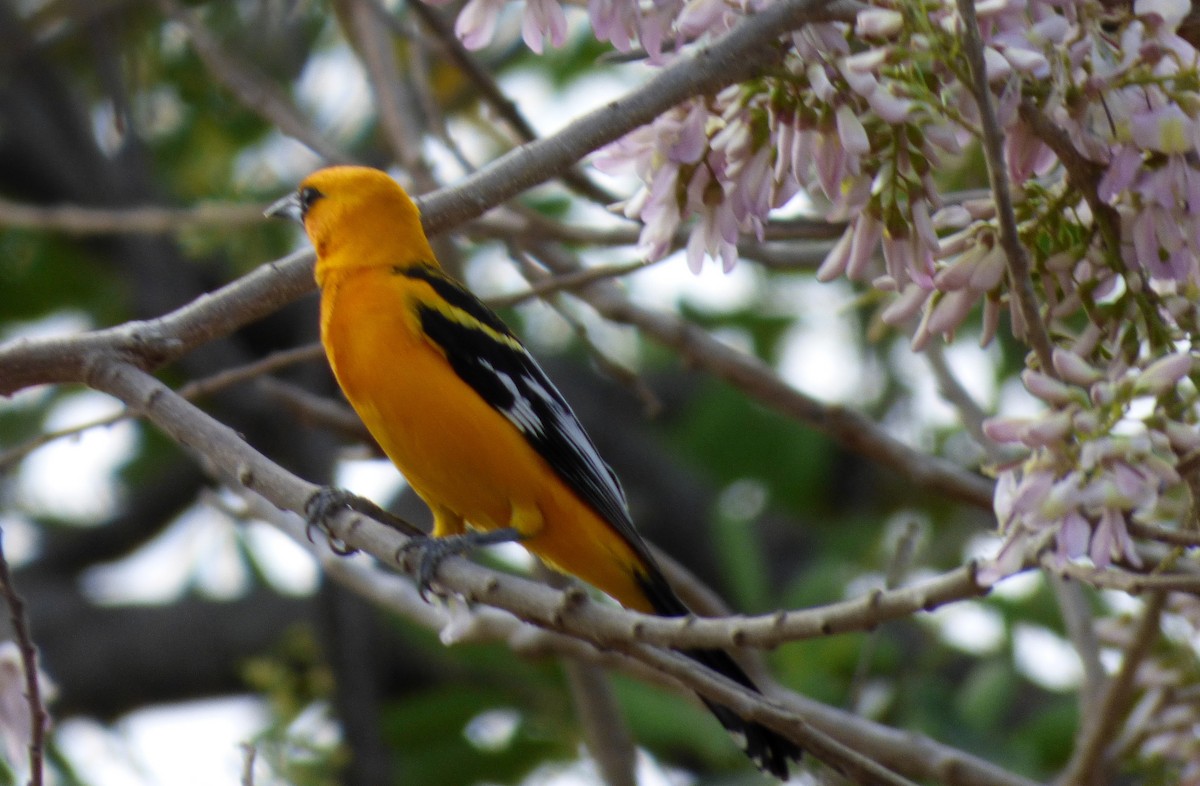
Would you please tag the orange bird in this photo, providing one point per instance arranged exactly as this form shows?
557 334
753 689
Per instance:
469 417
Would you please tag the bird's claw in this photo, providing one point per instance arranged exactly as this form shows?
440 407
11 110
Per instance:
320 509
434 550
429 553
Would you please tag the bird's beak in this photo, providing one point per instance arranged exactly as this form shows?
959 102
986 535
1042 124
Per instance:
288 207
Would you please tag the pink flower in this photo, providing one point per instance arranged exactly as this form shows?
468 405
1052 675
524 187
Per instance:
904 307
1163 374
1073 537
611 21
476 23
1074 369
543 18
1169 13
891 108
838 258
851 132
867 231
878 23
704 16
1048 389
1166 130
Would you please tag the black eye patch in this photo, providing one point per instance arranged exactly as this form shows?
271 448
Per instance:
308 196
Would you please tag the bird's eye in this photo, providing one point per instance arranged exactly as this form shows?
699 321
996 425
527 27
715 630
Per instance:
308 195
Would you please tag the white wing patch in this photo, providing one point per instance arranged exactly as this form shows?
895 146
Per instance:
568 425
520 413
497 367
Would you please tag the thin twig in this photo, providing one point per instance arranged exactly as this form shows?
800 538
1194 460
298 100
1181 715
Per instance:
1099 727
149 219
1172 537
393 100
29 661
489 90
969 412
775 254
249 754
850 428
550 285
10 457
308 408
1132 583
993 148
611 367
252 88
1078 618
605 732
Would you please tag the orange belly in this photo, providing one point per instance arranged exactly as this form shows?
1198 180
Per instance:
457 452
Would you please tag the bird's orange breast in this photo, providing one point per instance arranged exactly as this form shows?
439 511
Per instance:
456 451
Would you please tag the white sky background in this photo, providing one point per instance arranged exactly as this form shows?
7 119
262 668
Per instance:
197 743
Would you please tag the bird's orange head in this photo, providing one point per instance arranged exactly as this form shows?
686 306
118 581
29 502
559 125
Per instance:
356 217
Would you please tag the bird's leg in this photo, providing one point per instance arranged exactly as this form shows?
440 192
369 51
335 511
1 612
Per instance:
328 501
434 550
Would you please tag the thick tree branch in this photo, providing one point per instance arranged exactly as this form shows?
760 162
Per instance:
911 754
571 612
745 48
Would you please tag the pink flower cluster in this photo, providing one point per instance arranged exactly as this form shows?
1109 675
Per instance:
712 165
1092 467
861 119
655 26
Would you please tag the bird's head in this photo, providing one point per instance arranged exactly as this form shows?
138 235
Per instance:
356 217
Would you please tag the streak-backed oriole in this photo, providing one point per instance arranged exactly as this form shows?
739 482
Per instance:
468 416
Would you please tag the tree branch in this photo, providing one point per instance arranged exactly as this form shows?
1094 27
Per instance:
742 52
993 149
1099 728
604 729
29 663
912 754
148 220
572 612
851 429
253 89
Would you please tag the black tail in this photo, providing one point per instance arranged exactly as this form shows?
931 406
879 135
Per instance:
769 750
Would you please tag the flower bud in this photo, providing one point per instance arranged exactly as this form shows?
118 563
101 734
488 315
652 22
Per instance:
1047 388
1005 430
1163 374
878 23
851 132
1184 437
989 271
904 307
1048 430
1074 369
